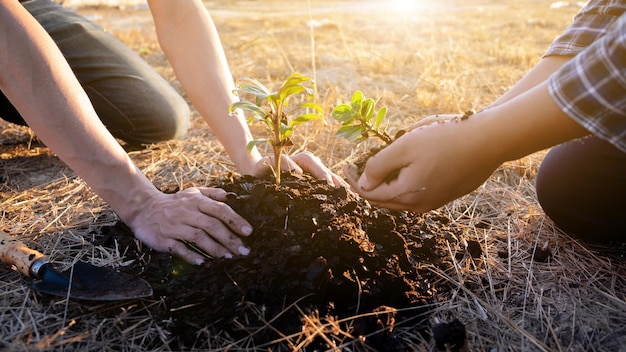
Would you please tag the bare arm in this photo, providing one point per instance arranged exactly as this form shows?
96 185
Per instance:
36 78
38 81
538 74
191 43
190 40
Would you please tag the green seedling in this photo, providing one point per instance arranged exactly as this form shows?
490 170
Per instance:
270 109
359 119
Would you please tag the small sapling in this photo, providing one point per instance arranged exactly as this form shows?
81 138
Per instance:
271 110
360 121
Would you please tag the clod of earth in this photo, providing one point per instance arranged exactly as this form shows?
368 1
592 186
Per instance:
316 250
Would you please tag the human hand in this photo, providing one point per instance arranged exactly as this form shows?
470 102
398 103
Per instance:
437 163
196 216
300 163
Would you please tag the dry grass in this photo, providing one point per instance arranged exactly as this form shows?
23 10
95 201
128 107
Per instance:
449 57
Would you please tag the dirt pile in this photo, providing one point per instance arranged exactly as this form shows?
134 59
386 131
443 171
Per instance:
316 250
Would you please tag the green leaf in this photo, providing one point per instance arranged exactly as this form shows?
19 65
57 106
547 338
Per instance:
367 110
249 107
380 117
257 92
310 105
286 92
343 113
255 86
351 132
253 143
296 79
285 130
357 98
305 118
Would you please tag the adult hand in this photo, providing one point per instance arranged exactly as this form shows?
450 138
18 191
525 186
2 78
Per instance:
300 163
437 162
196 216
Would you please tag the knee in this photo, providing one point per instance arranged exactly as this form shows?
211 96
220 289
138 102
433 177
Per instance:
170 119
549 190
580 186
149 118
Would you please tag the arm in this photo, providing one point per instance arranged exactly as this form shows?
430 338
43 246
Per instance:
550 105
191 43
39 82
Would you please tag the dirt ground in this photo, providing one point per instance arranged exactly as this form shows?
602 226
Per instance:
327 268
317 250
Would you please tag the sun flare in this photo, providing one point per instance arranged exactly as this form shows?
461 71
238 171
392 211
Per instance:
403 6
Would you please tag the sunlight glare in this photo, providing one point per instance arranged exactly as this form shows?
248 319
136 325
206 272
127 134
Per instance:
403 6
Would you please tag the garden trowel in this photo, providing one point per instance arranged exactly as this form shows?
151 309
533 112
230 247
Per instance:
82 281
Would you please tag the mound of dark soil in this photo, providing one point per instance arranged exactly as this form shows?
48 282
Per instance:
316 249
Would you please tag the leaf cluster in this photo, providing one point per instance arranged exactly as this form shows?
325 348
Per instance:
269 108
272 110
359 119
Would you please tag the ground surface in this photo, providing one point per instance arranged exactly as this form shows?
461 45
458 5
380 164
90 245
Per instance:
316 250
508 276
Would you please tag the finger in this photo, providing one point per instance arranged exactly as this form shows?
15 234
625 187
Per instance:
429 120
384 163
339 182
314 166
214 207
393 194
262 167
394 206
377 194
214 238
290 165
181 250
352 177
214 193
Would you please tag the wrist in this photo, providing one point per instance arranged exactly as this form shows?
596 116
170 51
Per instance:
247 163
133 198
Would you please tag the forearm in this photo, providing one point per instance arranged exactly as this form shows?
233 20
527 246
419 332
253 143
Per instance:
527 123
538 74
38 81
191 43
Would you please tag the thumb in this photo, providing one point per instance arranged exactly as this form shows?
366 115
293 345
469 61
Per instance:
382 166
358 182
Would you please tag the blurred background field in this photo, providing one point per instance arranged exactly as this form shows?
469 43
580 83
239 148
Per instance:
420 58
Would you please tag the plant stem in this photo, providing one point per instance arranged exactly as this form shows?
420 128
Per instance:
278 143
383 136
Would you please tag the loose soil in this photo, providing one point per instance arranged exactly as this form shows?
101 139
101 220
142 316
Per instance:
316 251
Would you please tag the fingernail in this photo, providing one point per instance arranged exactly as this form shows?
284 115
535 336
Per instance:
243 250
228 255
246 230
199 261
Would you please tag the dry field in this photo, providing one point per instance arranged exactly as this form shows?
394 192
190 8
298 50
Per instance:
420 59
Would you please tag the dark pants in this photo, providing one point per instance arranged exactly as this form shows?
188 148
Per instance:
134 102
581 185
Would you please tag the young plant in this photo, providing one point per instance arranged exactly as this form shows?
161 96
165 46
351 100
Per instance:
270 109
359 119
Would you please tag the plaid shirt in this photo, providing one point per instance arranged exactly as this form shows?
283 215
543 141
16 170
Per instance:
591 88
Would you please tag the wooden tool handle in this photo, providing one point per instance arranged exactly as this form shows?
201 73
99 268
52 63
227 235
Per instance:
15 252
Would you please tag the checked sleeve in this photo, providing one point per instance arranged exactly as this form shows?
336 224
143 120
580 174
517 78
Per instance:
590 23
591 88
